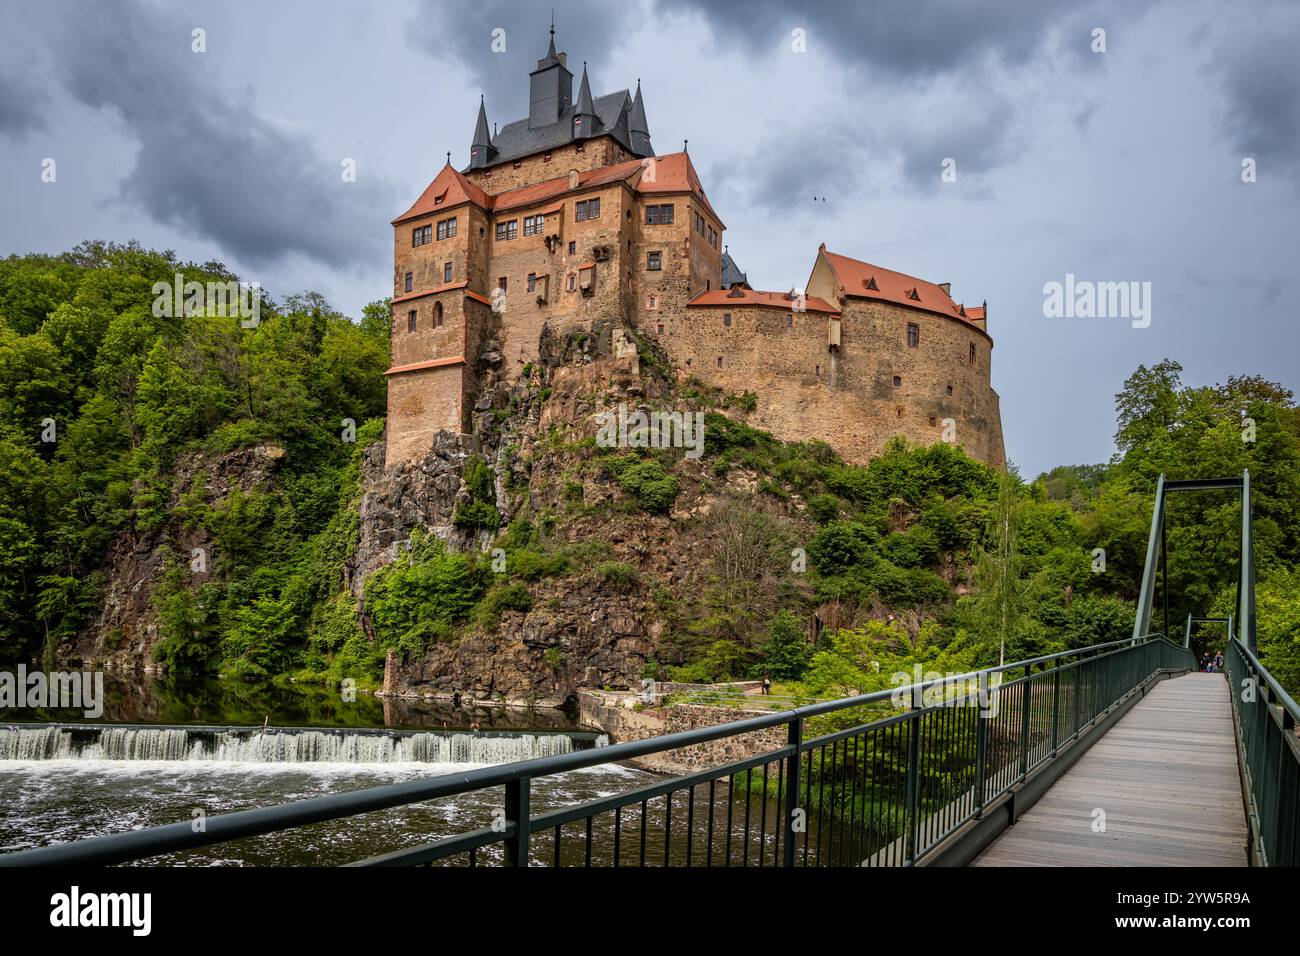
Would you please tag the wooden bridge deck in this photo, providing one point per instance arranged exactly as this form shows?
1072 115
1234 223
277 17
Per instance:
1166 777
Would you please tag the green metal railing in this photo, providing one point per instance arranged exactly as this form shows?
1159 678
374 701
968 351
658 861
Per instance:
1266 718
881 779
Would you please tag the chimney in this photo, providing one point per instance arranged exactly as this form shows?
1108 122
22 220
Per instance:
573 179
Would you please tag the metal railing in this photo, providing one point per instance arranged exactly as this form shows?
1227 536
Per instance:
881 779
1266 719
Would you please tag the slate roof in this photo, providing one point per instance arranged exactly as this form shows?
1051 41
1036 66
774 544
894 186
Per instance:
515 140
731 274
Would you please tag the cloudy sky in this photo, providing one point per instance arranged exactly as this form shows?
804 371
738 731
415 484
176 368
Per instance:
809 123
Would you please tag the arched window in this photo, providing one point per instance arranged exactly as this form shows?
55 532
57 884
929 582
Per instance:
410 321
437 314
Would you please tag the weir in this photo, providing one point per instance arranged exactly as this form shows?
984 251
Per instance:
282 744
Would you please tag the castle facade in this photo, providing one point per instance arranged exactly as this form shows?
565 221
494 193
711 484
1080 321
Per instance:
569 216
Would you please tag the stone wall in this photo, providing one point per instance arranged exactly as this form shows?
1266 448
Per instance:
590 154
619 716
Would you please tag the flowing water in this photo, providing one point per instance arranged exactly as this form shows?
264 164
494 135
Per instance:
65 778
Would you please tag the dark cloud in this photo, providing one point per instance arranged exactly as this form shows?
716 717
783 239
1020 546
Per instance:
208 163
1261 84
911 40
460 35
23 103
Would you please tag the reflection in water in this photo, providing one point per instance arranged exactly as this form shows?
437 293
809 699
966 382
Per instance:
139 699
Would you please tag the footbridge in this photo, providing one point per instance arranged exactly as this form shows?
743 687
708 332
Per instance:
1116 754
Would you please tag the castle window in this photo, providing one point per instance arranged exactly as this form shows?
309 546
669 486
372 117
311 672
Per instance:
789 321
546 158
817 370
661 215
502 283
517 164
532 282
661 328
586 209
719 361
898 411
409 282
932 420
652 261
507 230
652 302
579 147
421 235
587 279
726 319
410 321
950 391
898 381
446 272
573 248
573 281
913 335
699 224
437 314
972 353
532 225
713 237
629 247
447 228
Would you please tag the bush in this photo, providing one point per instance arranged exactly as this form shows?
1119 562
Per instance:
617 574
842 545
477 514
507 597
653 488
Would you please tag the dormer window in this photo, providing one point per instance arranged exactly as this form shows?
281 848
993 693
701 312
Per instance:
914 295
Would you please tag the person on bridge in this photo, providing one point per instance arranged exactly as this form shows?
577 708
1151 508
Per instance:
1218 662
767 682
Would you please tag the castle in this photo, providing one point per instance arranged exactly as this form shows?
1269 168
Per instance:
569 216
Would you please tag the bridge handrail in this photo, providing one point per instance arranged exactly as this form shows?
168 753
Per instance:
515 777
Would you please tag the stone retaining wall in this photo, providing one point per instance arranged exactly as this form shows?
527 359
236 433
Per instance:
623 718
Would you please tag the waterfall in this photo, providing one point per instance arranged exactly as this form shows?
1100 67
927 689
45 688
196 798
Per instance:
281 745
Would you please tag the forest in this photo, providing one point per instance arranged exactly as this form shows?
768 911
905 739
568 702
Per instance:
932 558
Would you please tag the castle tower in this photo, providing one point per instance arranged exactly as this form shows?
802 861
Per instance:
550 88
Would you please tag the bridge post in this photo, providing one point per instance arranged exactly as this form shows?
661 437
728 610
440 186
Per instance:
518 813
795 739
913 772
1056 707
1025 695
981 742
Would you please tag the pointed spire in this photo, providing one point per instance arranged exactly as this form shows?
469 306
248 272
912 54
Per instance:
481 151
637 127
585 121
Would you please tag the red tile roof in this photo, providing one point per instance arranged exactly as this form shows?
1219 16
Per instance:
673 173
449 188
863 280
777 300
432 363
